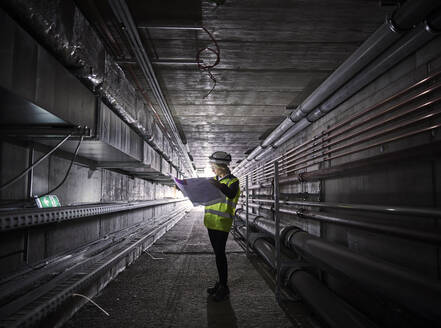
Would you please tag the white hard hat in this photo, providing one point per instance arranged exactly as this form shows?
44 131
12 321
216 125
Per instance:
220 157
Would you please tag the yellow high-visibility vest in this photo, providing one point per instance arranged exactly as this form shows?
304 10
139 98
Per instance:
219 216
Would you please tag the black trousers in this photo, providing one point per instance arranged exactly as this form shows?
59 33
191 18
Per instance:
218 240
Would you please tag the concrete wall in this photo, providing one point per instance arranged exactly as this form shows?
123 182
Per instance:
30 246
30 71
414 184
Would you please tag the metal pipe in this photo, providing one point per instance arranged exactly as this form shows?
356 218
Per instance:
328 137
366 138
411 13
266 251
247 214
276 217
277 132
400 210
380 143
431 237
254 153
288 156
430 89
408 44
408 15
293 131
405 46
428 151
330 308
418 293
264 153
171 27
326 134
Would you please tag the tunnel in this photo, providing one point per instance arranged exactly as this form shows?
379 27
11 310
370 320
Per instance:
138 136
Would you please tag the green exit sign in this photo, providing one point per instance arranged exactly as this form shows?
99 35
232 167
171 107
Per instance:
47 201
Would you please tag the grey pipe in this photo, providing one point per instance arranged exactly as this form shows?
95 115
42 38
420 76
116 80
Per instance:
425 236
299 126
411 13
254 153
403 210
400 50
329 307
265 250
285 125
418 293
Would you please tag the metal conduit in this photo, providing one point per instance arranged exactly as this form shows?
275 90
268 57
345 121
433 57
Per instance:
408 44
329 307
431 237
418 152
325 156
123 14
321 153
294 154
410 14
288 166
418 293
361 140
418 211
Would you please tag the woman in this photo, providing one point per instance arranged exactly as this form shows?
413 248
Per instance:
218 219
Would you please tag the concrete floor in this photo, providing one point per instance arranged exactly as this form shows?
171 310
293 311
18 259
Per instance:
171 291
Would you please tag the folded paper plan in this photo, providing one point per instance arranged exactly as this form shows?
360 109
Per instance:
200 191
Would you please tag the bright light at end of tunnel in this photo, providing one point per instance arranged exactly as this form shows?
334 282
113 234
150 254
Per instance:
207 172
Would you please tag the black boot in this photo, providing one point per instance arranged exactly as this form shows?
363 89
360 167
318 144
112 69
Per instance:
213 290
222 293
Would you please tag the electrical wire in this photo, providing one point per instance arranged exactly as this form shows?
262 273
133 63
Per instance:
23 173
94 303
207 68
68 170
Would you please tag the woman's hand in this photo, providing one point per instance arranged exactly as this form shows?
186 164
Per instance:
214 182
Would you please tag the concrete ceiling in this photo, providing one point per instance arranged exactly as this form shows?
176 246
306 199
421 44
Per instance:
273 54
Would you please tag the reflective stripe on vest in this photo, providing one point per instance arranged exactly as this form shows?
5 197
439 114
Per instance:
223 214
219 216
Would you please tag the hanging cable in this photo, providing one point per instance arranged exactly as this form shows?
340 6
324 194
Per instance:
68 170
207 68
18 177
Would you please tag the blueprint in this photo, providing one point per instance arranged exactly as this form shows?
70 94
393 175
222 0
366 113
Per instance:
200 191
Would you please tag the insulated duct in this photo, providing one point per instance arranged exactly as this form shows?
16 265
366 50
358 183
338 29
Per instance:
122 13
404 18
74 43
